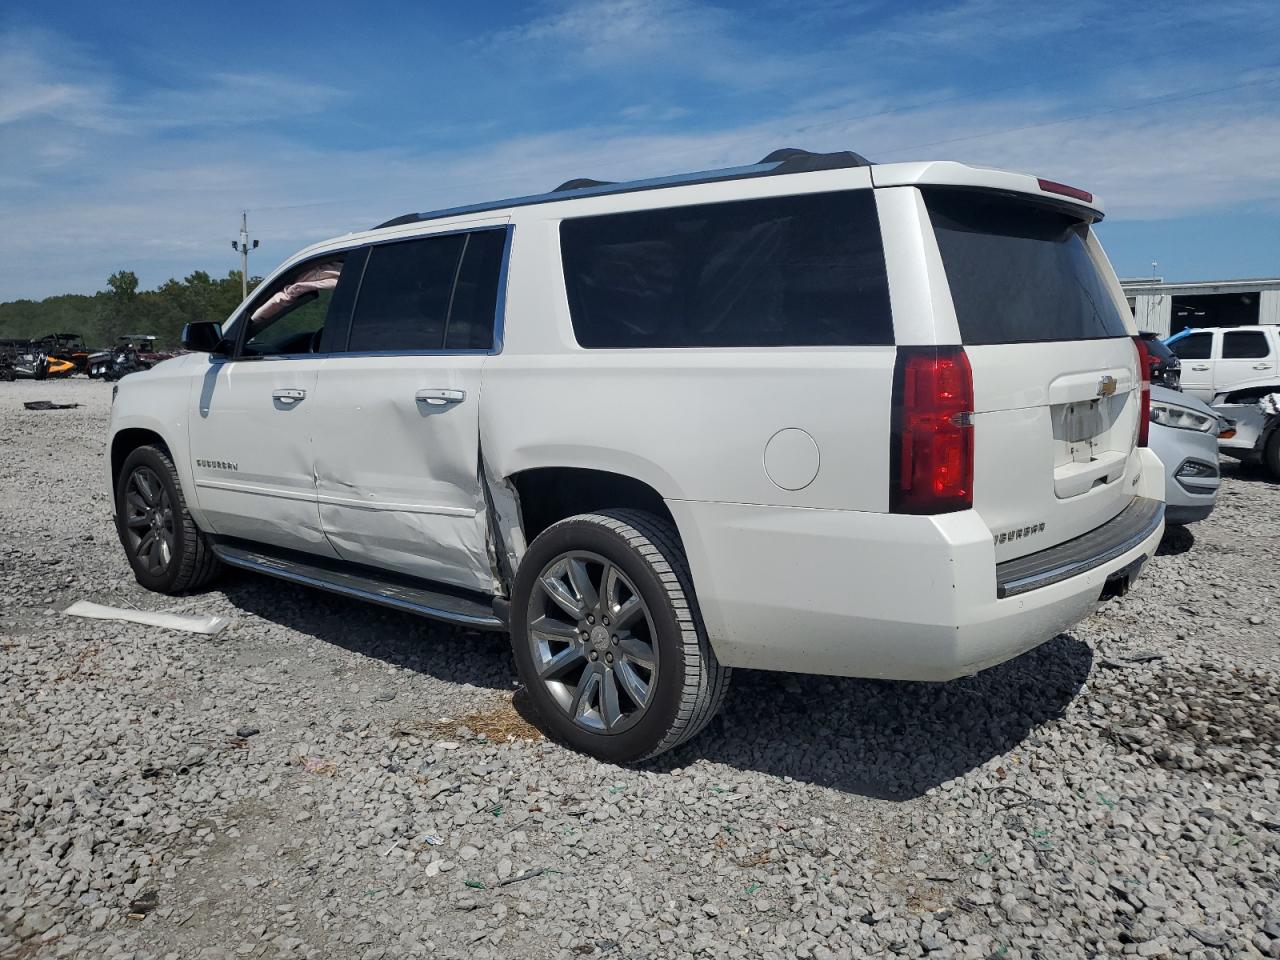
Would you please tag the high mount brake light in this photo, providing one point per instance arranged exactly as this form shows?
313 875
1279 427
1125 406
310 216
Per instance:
1052 186
932 439
1145 362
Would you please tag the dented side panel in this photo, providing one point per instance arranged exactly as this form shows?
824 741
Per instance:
397 475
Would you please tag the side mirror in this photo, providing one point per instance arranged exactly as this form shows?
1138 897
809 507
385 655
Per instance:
203 337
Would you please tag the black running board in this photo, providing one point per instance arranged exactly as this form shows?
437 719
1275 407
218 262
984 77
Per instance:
439 602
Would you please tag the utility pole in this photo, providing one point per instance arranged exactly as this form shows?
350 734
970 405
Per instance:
243 246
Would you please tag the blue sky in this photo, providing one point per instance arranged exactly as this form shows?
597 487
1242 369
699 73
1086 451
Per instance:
131 136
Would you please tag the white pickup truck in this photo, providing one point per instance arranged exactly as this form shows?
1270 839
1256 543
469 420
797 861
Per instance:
810 414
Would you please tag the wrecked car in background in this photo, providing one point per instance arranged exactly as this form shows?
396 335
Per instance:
1256 436
1184 435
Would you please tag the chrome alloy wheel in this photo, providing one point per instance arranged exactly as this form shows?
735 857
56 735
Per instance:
593 642
149 520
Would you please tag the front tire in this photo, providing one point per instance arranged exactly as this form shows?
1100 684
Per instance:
608 638
168 552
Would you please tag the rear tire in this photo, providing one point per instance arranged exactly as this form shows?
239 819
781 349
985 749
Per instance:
168 552
608 638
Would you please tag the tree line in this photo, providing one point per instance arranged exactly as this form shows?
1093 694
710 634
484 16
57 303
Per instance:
124 309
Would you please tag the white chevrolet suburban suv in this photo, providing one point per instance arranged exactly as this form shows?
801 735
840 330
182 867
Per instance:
811 414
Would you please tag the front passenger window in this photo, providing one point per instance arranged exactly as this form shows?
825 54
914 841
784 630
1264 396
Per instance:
291 319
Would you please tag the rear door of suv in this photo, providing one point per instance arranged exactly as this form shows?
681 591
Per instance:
1057 390
396 444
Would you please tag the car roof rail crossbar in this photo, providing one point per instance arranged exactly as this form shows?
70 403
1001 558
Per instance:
782 161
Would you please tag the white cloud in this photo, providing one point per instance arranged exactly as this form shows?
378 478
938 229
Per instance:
91 181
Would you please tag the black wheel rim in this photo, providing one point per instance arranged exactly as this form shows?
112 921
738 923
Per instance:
150 534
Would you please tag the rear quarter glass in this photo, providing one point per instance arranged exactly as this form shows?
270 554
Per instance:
793 271
1020 271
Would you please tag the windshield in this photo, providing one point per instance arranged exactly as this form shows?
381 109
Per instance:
1019 271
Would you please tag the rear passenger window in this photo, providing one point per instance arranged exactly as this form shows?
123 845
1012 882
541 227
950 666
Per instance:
1195 346
430 294
1246 345
785 271
404 297
475 299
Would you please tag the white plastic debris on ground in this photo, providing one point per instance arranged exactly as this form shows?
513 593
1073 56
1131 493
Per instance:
170 621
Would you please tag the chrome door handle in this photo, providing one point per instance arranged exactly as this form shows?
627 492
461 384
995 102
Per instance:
291 395
438 398
1199 368
1262 366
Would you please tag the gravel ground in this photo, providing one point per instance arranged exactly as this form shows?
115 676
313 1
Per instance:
326 779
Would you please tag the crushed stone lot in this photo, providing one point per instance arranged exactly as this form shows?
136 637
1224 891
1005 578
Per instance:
329 779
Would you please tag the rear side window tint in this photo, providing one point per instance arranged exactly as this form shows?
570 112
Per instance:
1019 271
404 297
1194 346
475 298
1249 345
785 271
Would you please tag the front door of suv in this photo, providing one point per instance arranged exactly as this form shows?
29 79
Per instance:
253 413
396 447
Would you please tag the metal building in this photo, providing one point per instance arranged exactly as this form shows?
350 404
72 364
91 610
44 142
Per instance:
1165 308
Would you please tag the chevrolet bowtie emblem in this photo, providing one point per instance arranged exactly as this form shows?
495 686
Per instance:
1106 386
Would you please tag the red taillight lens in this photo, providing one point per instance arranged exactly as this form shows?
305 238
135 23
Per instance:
1145 362
933 435
1052 186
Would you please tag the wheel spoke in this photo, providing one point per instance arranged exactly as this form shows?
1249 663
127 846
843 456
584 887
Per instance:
137 523
582 584
637 651
630 682
631 610
588 685
142 480
556 589
557 665
610 712
551 629
134 499
146 545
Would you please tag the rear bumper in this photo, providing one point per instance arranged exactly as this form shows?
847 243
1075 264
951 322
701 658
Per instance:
1116 538
882 595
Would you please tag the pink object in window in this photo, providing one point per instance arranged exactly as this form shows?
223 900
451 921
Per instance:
314 279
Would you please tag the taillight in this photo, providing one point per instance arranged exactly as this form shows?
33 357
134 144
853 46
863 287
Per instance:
1145 362
1052 186
932 445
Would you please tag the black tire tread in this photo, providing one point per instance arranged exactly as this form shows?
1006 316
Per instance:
706 681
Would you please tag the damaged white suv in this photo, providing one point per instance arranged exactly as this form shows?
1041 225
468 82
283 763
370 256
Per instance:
811 414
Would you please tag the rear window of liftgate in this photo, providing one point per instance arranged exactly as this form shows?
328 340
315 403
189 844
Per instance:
1019 271
779 272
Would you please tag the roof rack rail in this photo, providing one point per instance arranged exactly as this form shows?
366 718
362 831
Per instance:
782 161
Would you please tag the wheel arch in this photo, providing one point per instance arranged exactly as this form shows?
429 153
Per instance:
125 441
548 494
